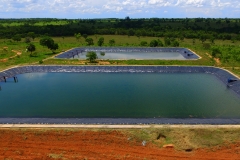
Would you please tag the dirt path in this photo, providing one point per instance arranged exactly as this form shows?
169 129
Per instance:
217 60
17 54
88 144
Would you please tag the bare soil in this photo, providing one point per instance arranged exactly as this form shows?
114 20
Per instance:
217 60
6 59
36 144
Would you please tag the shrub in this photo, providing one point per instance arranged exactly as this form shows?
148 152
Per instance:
143 43
91 56
102 53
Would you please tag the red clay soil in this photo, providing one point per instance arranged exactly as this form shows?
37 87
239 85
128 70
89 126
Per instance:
89 145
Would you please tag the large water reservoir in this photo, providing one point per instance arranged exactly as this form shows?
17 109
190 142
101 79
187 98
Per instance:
118 95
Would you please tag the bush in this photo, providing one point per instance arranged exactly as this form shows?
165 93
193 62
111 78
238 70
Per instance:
89 41
112 42
143 43
216 52
174 43
102 53
91 56
154 43
27 40
160 44
100 41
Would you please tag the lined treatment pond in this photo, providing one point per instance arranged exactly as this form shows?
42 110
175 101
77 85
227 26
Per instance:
117 95
134 55
125 53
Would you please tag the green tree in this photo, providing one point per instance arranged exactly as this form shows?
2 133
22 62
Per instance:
138 33
91 56
159 34
85 36
46 41
153 43
31 47
49 43
181 37
17 37
27 40
131 32
144 43
32 35
167 41
216 53
212 39
100 41
112 42
175 43
54 47
77 36
160 44
89 41
202 38
143 32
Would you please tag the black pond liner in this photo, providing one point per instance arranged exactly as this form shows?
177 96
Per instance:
187 54
221 74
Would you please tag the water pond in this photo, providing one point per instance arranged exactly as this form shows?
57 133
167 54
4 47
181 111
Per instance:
135 55
121 53
117 95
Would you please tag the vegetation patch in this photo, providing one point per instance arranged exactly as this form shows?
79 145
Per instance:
186 139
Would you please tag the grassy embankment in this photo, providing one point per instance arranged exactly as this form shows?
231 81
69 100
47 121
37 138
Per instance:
187 138
66 43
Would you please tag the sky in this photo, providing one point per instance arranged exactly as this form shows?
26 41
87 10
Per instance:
87 9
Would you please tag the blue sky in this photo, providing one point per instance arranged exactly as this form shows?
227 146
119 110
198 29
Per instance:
82 9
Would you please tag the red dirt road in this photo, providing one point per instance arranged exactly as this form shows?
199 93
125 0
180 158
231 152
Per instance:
90 145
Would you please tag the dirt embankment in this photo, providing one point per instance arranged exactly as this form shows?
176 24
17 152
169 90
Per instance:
89 144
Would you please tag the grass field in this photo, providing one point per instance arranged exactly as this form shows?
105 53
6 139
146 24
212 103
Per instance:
66 43
187 138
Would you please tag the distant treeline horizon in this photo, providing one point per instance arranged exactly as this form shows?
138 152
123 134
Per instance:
195 28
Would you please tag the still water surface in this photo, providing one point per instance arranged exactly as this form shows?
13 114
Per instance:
136 55
121 95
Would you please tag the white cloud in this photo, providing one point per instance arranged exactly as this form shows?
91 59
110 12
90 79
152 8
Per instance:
155 2
115 6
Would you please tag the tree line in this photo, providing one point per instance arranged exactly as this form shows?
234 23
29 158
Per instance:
197 28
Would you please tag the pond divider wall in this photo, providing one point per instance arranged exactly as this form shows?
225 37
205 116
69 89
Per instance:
221 74
121 121
186 53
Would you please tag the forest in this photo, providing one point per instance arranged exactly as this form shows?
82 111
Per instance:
198 28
